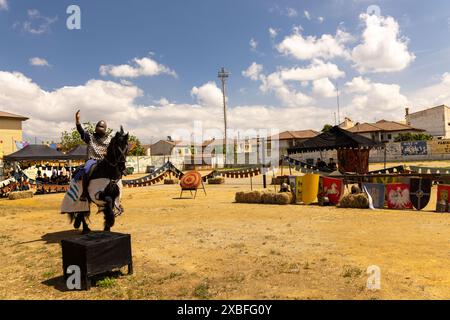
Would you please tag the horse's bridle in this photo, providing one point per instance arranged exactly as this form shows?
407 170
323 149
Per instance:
122 159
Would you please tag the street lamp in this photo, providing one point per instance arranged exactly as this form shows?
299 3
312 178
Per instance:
223 76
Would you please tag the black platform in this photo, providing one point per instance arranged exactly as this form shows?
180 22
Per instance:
97 253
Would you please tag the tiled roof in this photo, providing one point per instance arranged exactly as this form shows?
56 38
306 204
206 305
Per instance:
382 125
302 134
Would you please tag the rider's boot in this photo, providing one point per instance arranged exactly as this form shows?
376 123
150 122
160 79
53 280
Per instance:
84 194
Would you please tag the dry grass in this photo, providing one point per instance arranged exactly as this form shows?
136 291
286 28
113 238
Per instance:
213 248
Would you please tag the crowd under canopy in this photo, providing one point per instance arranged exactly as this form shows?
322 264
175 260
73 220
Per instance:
352 149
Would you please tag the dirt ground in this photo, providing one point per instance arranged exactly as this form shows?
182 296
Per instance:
213 248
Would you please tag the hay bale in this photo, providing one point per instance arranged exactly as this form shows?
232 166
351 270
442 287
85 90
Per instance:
283 198
171 181
254 197
21 195
240 197
217 180
268 198
356 189
248 197
356 201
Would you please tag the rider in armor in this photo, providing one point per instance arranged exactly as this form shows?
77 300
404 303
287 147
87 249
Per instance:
97 143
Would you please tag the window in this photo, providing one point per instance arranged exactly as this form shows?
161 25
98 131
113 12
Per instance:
389 136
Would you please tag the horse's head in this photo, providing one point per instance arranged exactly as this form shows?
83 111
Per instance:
118 148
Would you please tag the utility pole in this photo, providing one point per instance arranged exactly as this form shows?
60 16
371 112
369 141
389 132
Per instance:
223 76
338 107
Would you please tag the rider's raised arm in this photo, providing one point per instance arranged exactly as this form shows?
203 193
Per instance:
84 136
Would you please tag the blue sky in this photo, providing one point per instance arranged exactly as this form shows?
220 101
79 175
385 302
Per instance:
190 40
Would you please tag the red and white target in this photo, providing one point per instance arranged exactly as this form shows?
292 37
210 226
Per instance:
191 180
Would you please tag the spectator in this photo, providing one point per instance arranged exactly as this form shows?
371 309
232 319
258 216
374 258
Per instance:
332 165
320 164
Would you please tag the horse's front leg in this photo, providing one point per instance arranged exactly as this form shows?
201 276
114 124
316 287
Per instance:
109 213
86 229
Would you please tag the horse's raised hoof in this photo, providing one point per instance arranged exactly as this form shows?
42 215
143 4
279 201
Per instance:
77 223
86 231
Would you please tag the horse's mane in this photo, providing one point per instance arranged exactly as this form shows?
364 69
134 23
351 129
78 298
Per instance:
117 137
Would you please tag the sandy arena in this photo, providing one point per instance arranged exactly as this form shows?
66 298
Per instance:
212 248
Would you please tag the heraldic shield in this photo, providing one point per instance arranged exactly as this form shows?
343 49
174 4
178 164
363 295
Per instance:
420 192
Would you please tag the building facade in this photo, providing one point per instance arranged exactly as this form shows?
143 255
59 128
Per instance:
10 132
291 139
435 121
172 148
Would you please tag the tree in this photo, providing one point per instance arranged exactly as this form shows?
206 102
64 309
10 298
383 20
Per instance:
72 139
135 147
406 137
327 128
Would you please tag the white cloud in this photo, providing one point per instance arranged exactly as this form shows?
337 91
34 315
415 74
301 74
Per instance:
126 82
253 44
276 83
321 19
291 12
38 62
279 82
374 100
253 72
52 112
324 88
137 68
208 95
163 102
287 94
3 5
310 47
273 32
382 49
37 24
433 95
316 70
307 15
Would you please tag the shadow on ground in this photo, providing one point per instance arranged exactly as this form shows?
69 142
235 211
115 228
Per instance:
56 237
103 280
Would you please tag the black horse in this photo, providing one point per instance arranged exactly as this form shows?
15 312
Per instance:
112 167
